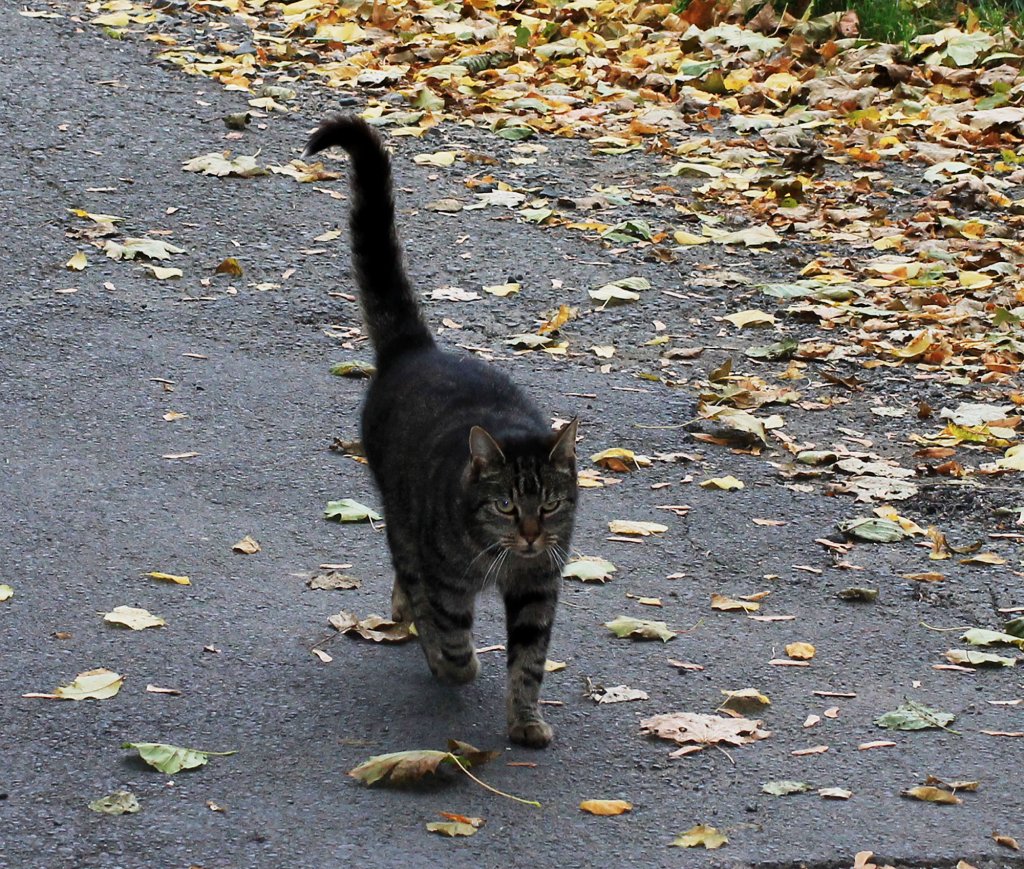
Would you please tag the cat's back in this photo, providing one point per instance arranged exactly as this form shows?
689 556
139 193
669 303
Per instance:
431 395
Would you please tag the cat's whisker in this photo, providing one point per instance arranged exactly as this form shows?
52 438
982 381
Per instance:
478 556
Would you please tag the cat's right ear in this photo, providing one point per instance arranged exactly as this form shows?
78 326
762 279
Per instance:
483 449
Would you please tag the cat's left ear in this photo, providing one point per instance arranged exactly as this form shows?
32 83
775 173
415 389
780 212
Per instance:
563 451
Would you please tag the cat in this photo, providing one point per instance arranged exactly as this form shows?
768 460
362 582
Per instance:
477 489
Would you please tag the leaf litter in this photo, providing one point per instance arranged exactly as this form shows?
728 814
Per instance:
942 296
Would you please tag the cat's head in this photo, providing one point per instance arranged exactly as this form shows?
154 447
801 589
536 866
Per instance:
523 491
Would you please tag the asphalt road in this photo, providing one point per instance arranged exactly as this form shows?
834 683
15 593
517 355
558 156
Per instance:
89 505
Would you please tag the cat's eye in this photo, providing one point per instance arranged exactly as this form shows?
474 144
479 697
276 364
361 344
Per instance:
504 505
550 506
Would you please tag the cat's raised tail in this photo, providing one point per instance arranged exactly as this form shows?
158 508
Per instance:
390 309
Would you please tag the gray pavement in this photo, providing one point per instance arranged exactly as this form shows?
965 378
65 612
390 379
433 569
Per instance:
88 505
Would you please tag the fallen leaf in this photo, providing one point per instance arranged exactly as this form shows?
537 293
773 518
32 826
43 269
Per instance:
155 689
621 460
451 828
933 795
615 694
725 484
354 368
322 655
606 807
800 651
878 743
440 159
626 627
700 836
814 749
247 546
161 273
914 716
229 266
347 510
990 558
169 577
77 262
785 787
984 637
968 658
835 793
6 592
730 604
503 291
373 627
151 248
873 530
1006 841
696 731
745 319
636 529
745 701
134 618
589 569
172 759
332 581
117 803
222 165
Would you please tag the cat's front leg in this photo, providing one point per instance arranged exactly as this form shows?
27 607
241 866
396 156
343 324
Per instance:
530 613
444 621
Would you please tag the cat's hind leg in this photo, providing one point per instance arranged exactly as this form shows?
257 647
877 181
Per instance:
443 616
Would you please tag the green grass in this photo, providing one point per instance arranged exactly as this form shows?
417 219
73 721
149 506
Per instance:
902 20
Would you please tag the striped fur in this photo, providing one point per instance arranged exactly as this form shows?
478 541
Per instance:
477 489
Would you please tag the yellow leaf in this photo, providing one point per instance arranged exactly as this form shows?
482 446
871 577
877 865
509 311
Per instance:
688 238
729 604
606 807
502 291
229 266
933 795
347 32
554 666
922 341
134 618
169 577
752 317
604 351
6 592
440 159
99 684
726 484
619 459
161 273
113 19
975 280
700 836
78 262
800 651
247 546
1013 460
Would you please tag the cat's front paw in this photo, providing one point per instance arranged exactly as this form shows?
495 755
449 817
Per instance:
455 672
533 733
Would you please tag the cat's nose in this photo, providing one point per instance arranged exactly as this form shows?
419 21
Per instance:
530 531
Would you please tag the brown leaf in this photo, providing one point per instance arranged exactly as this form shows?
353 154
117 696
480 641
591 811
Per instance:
696 731
373 627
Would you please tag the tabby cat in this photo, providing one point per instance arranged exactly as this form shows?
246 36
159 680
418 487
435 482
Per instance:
477 489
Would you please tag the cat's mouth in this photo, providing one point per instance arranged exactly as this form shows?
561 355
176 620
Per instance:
529 549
